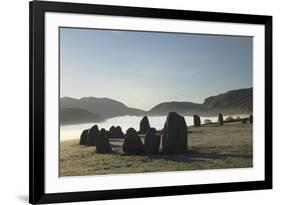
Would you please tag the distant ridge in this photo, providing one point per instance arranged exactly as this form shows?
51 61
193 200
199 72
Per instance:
232 102
76 116
104 107
183 108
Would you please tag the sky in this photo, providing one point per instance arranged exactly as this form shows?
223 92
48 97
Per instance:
143 69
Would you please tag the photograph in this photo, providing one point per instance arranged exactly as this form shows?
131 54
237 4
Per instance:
132 101
148 101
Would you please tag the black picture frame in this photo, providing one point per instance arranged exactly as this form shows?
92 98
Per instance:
37 10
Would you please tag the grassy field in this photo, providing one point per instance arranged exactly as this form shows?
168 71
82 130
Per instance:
210 147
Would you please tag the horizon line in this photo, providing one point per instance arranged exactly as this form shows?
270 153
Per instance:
156 104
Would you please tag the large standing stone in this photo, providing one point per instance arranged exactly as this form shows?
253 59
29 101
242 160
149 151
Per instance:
196 120
102 142
119 133
151 142
84 138
111 129
220 119
132 143
92 135
251 118
174 135
153 130
116 132
144 125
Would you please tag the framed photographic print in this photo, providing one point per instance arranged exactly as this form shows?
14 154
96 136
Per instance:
140 102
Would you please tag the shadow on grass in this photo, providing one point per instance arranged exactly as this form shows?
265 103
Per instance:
193 155
197 156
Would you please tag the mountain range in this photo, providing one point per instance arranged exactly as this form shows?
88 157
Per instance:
78 110
232 102
75 116
92 109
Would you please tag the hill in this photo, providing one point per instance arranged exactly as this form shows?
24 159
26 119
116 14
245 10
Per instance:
184 108
76 116
103 107
97 109
232 102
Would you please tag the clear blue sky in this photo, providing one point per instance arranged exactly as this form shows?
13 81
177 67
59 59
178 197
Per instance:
143 69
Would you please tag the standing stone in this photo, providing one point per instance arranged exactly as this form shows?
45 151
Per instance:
174 137
116 132
132 143
220 119
102 142
196 120
92 135
111 130
144 125
153 130
84 138
251 119
151 143
119 133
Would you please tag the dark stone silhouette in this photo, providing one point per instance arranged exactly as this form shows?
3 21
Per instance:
174 137
244 121
151 143
116 132
119 132
144 125
153 130
102 142
84 138
111 129
220 119
92 135
132 143
196 120
251 118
